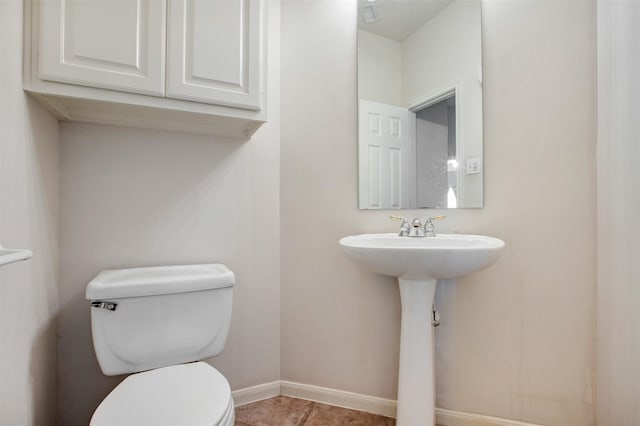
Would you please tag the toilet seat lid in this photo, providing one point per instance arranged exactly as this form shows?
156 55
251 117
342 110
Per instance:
193 394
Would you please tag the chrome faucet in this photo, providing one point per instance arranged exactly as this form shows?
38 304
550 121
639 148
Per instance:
416 229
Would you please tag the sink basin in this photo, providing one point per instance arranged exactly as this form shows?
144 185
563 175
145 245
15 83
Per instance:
419 262
444 256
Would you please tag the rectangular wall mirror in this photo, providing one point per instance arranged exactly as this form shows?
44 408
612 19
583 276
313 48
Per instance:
420 104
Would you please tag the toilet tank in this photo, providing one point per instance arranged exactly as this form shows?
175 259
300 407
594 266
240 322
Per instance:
145 318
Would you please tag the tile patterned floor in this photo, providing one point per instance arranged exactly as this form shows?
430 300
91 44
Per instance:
285 411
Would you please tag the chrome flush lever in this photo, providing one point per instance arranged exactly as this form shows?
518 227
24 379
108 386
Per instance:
110 306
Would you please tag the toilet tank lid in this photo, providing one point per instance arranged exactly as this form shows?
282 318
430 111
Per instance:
157 280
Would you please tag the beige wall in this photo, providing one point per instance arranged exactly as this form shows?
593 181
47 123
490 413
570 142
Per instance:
618 213
132 197
517 340
28 219
339 324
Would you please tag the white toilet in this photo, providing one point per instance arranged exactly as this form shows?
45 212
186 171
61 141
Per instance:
154 322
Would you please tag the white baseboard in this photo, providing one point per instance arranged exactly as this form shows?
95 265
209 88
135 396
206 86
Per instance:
459 418
256 393
339 398
355 401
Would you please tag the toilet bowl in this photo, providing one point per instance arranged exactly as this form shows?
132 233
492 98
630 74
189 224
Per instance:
158 323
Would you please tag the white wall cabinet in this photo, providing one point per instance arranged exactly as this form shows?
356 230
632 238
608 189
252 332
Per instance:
201 32
116 45
189 65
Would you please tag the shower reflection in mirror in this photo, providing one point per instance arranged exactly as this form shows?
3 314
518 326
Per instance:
420 104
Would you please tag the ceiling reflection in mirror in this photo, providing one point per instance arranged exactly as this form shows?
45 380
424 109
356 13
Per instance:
420 104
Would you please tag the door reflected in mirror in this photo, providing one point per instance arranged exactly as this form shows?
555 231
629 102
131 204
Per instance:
420 104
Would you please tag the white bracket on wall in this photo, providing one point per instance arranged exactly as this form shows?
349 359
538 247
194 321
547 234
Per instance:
13 255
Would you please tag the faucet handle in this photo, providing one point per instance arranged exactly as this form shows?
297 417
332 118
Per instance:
399 218
404 225
429 230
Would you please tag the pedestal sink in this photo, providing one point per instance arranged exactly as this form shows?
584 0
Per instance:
418 262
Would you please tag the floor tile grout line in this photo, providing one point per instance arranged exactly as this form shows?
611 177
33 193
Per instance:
306 416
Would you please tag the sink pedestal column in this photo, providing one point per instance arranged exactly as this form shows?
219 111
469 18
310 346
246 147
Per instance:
416 395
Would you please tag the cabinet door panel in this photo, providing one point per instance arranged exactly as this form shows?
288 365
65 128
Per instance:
117 45
215 52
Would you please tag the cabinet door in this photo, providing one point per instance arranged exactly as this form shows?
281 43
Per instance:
116 45
215 52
